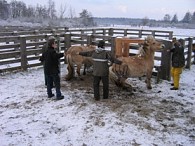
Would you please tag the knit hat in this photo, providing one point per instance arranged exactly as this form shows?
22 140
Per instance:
51 41
101 44
180 40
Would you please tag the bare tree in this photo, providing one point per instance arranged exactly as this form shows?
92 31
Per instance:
86 18
63 9
41 12
30 12
51 9
145 21
4 9
167 18
71 12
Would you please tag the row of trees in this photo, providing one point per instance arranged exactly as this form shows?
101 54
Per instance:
18 9
188 18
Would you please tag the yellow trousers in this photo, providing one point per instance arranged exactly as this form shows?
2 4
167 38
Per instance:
175 73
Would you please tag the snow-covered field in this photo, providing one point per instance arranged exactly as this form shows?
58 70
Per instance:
147 118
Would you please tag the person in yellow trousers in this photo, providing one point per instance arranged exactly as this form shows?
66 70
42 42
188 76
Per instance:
178 62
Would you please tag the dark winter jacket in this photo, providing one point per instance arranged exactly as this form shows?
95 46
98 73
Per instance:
43 50
178 59
100 59
51 61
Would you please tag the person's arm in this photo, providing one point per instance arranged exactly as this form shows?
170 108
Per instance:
43 50
57 55
113 59
85 53
172 49
41 58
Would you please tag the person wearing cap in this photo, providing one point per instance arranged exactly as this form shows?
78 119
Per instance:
178 62
100 59
44 49
50 59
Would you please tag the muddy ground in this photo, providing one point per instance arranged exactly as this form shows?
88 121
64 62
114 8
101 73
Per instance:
145 109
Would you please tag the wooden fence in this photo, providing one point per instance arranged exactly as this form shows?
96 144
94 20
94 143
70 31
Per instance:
21 51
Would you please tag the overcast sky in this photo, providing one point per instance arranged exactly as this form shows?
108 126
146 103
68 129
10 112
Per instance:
153 9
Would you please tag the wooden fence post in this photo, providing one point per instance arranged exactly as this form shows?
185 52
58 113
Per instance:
189 57
67 42
93 31
82 33
23 53
15 33
104 32
153 33
111 33
58 41
125 32
89 39
36 40
170 35
166 61
140 34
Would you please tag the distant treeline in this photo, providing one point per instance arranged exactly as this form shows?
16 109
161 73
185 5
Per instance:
141 22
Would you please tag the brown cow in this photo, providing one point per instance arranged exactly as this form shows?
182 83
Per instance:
136 66
73 58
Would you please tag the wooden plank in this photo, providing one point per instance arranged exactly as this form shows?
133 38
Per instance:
122 46
9 55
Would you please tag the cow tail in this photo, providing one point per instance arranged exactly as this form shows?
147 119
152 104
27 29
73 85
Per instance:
70 67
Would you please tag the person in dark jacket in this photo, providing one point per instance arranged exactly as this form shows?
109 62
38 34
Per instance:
100 68
51 68
44 49
178 62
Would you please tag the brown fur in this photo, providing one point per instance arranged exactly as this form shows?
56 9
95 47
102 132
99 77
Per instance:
73 58
136 66
193 47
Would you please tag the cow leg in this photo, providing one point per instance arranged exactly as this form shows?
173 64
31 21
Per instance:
78 72
70 73
84 71
148 80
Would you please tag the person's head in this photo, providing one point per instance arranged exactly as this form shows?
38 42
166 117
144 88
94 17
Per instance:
174 40
180 41
52 42
101 44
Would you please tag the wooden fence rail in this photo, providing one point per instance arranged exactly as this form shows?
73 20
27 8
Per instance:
22 51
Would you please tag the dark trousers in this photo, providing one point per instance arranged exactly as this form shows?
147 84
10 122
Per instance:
45 77
96 83
56 79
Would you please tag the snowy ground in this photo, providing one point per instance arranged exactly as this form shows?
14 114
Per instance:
157 117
